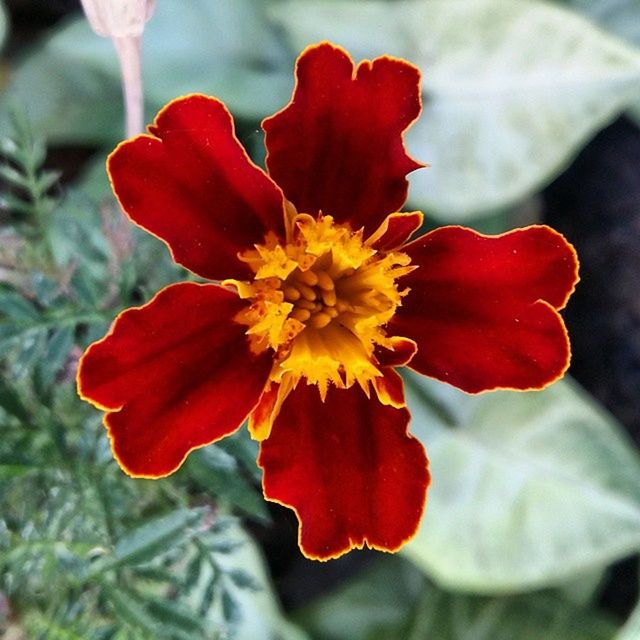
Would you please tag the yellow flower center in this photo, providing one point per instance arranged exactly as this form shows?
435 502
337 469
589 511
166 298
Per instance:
320 302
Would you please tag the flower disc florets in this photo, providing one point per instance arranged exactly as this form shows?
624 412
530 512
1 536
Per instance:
321 301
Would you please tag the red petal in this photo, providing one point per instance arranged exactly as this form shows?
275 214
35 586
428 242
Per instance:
192 184
337 147
483 309
401 354
390 388
349 470
396 229
176 374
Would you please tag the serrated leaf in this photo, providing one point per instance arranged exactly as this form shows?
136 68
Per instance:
244 580
175 619
528 488
55 354
14 177
217 472
128 608
150 540
11 403
512 89
16 307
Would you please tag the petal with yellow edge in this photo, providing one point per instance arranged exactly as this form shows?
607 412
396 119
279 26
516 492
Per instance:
483 310
174 375
338 147
348 468
190 183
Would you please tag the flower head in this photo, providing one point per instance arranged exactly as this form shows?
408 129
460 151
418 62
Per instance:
318 296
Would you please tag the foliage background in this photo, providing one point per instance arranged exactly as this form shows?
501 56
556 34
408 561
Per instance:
533 523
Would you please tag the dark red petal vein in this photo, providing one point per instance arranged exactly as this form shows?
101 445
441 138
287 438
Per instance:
483 309
349 469
192 184
175 374
337 147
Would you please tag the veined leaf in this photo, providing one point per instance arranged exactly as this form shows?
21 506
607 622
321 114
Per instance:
621 17
387 602
512 89
528 488
149 540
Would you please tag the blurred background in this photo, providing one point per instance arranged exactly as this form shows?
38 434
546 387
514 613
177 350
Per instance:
532 529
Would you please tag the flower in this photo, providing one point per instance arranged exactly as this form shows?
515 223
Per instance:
318 296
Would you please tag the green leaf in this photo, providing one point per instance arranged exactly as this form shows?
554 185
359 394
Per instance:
528 488
621 17
631 629
261 615
389 601
176 620
11 403
218 473
129 609
150 540
70 85
513 90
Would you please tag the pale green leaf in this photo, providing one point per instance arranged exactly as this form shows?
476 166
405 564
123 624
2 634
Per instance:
70 85
621 17
631 629
388 602
512 89
528 489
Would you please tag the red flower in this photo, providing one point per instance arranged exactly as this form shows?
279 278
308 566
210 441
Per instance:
321 298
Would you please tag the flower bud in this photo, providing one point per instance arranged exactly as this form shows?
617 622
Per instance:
118 18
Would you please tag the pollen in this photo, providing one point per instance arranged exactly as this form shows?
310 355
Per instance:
320 302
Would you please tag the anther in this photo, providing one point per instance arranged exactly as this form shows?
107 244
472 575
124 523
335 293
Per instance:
307 304
320 320
325 282
332 311
329 298
307 292
341 306
301 314
273 282
308 277
292 294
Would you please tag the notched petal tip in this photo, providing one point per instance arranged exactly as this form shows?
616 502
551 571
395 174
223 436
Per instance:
170 181
484 309
372 479
347 157
173 386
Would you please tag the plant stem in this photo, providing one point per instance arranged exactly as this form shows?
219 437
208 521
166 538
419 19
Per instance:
129 52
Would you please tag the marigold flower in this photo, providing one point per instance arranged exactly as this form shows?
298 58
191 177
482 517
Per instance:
318 296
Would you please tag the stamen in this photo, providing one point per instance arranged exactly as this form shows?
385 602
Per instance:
325 282
308 277
301 314
306 304
307 292
320 319
329 298
291 293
